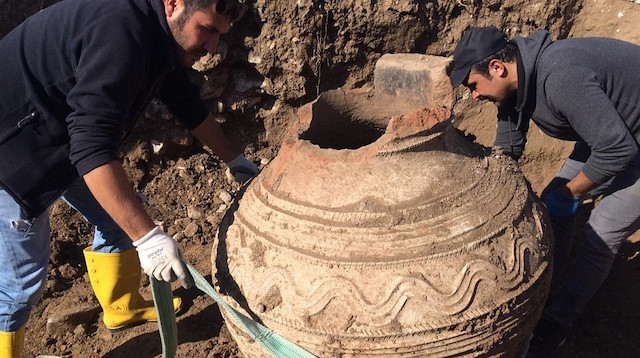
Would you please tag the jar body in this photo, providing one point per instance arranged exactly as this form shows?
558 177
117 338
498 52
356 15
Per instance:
403 247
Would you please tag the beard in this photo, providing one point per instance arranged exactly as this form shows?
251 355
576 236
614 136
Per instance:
185 54
501 94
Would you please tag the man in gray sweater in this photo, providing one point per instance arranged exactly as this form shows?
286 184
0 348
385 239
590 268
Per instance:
584 90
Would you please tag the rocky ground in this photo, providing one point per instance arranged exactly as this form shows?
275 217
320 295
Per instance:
285 55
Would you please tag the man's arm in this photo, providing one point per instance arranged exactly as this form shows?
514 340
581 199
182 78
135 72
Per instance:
111 188
575 93
160 255
579 186
565 200
182 98
211 135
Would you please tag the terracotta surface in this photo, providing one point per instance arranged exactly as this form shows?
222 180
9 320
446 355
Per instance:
384 235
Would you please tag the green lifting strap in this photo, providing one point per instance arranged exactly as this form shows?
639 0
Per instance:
163 301
270 341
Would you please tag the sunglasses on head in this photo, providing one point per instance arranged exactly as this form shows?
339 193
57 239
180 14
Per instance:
231 8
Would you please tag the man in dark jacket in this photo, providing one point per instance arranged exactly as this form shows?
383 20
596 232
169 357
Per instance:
74 78
574 90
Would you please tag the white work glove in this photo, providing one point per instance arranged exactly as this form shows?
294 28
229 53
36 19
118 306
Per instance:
242 169
161 257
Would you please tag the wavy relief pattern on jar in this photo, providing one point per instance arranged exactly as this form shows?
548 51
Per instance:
380 234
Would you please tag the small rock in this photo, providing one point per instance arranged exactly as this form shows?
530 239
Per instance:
81 329
191 230
230 178
258 60
245 103
68 272
60 323
159 223
157 146
225 196
182 223
193 212
209 61
216 106
220 118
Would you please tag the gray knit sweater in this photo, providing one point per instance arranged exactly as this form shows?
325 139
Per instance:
579 89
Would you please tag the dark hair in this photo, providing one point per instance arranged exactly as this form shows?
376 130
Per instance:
233 9
507 54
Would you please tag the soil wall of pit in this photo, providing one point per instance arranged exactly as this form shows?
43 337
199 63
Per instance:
305 47
284 53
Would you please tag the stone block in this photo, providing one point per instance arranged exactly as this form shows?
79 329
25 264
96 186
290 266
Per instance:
416 80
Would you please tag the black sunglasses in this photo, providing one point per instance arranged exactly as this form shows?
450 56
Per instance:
231 8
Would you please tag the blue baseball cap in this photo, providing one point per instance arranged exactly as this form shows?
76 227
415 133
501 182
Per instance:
476 44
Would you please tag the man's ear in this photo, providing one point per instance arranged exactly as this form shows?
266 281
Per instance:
497 67
172 7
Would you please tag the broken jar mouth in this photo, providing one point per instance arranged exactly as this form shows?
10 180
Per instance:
346 120
352 120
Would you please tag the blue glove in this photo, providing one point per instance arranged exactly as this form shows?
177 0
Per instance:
559 204
242 169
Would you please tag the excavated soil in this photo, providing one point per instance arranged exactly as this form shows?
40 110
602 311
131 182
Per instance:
280 57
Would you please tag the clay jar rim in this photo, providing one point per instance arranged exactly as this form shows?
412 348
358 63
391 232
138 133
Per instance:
394 122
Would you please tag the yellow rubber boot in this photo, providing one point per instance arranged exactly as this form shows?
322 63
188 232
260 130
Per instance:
115 279
11 343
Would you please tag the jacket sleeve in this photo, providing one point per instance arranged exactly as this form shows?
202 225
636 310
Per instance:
110 71
183 98
511 131
574 93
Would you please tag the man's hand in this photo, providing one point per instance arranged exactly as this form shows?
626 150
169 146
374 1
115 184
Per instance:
560 203
242 169
161 257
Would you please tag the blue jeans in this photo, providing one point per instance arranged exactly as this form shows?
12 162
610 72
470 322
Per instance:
576 278
24 250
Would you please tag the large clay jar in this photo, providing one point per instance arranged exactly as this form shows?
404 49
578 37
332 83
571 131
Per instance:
382 234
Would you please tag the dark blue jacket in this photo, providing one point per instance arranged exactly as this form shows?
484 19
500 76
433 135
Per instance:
73 79
579 89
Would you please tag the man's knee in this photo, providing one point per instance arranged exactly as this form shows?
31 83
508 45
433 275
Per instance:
601 244
606 228
16 307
